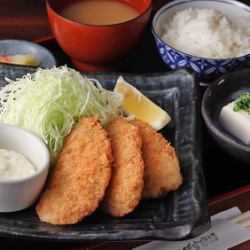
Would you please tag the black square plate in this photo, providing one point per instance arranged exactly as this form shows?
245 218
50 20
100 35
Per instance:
182 214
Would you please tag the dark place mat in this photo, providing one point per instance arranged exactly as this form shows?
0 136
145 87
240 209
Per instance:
222 172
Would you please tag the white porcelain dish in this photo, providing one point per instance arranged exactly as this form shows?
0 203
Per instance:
21 193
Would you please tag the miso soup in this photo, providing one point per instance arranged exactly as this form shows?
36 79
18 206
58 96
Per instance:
99 12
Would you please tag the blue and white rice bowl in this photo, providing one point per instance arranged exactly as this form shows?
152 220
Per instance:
208 69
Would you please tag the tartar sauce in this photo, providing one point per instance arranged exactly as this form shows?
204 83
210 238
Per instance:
14 165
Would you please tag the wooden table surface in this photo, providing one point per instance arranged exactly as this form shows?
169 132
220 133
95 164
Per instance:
27 19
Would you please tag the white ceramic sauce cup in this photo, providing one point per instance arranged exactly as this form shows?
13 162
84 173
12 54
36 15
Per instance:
21 193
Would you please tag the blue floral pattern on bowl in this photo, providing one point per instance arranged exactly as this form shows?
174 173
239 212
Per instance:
207 69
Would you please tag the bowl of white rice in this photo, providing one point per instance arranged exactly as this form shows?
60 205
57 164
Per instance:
210 37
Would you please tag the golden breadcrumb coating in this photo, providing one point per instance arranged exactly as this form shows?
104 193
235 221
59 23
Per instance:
162 170
81 175
125 189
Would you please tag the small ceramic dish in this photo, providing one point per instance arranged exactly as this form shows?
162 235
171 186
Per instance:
207 69
21 193
11 47
221 92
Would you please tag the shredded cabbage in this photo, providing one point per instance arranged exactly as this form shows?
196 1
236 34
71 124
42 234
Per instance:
51 101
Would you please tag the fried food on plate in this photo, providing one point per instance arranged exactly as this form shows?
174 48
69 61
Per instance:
125 189
162 170
81 175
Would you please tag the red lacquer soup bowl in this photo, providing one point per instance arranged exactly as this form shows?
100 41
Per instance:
97 47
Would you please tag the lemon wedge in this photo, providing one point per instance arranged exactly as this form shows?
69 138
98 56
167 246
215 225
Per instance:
140 106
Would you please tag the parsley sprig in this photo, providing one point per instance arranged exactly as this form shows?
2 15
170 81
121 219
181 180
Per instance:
243 103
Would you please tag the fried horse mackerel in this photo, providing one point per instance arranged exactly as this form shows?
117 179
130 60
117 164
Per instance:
81 175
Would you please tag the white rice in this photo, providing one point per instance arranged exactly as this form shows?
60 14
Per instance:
207 33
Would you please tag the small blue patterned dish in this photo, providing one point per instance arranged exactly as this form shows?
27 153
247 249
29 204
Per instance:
207 69
10 47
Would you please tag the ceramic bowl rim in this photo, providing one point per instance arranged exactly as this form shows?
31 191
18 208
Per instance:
45 162
148 8
167 6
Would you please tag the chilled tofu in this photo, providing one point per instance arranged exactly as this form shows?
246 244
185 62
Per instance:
236 122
